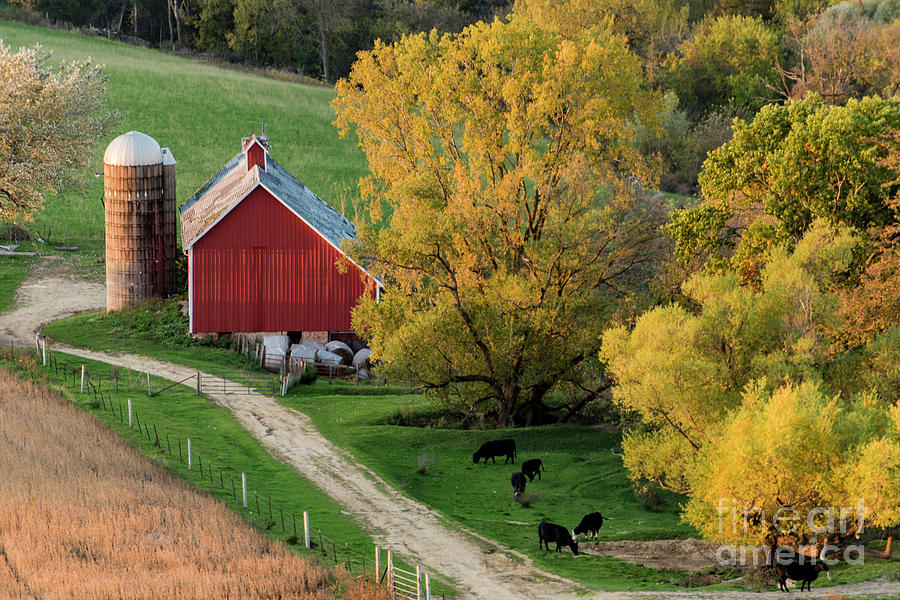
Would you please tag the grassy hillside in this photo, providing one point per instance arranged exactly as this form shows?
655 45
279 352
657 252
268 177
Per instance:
13 270
434 465
200 112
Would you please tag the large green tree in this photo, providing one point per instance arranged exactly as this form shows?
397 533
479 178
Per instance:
503 217
807 160
787 167
49 120
728 62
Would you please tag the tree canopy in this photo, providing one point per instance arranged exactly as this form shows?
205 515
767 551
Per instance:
502 204
745 398
49 120
729 62
787 167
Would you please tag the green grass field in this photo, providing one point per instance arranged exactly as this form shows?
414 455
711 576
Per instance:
199 111
13 270
157 328
582 475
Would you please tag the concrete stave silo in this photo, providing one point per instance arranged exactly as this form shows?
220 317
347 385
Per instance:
139 249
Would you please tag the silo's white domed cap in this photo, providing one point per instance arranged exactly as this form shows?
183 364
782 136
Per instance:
133 149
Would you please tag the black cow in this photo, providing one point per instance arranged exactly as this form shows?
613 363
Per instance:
590 523
532 467
518 484
496 448
800 569
551 532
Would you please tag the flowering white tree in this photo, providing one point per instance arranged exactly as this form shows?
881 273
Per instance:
49 120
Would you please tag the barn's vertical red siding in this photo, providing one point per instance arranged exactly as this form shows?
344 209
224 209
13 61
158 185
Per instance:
261 268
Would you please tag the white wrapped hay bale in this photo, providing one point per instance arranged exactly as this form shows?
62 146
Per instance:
341 349
276 347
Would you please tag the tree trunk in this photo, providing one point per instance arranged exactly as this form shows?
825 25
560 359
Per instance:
535 403
121 17
178 28
323 42
506 405
169 12
889 546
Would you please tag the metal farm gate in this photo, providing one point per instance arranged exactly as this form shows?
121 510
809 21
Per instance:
236 382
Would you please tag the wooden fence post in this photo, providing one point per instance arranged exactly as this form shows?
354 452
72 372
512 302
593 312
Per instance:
198 383
418 582
427 587
82 378
190 458
390 571
149 388
244 487
377 565
130 424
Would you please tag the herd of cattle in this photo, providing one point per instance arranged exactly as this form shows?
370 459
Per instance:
794 568
547 532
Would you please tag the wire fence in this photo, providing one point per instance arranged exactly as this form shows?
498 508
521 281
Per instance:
100 384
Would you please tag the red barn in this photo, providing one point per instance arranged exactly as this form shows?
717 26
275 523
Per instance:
262 252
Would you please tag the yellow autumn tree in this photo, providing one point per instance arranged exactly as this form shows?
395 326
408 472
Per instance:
740 407
49 121
653 28
503 207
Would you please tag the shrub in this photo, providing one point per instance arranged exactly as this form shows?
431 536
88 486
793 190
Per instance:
649 495
309 375
760 579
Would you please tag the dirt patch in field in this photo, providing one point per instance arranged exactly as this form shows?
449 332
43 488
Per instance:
687 555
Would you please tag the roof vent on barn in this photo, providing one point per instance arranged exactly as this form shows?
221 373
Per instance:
256 149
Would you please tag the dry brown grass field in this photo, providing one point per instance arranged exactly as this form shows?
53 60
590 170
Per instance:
84 516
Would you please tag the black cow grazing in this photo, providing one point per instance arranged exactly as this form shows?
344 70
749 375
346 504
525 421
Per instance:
532 467
800 569
496 448
590 523
551 532
518 484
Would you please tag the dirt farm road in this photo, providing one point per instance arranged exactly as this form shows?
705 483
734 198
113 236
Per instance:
480 568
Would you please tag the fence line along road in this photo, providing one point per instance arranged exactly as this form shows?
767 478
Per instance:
406 526
399 581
